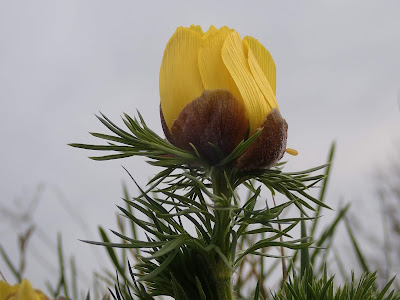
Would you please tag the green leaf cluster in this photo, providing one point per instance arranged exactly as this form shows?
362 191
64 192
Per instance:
311 287
192 217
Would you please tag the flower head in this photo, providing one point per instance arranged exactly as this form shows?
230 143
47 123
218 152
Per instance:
22 291
216 89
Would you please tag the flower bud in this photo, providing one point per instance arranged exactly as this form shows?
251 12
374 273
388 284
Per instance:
217 89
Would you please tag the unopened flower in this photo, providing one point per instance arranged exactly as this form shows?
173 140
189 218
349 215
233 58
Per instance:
22 291
217 89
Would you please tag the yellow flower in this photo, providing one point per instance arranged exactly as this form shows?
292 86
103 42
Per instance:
22 291
218 88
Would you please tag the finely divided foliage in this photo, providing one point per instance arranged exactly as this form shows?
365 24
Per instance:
197 231
309 287
172 259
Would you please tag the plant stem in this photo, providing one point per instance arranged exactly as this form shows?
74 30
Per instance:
223 273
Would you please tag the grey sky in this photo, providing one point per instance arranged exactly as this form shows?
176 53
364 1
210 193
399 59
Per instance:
338 77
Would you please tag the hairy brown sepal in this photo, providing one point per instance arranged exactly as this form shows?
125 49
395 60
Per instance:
164 126
215 117
269 147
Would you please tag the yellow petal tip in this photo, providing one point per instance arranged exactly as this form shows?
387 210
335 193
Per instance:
291 151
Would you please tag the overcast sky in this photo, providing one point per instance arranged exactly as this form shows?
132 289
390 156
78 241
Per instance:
338 78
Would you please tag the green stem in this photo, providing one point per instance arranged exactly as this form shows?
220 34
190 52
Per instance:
304 254
223 273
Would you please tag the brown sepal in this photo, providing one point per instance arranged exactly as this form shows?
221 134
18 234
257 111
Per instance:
269 147
215 117
165 128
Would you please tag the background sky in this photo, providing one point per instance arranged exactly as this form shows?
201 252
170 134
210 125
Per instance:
338 78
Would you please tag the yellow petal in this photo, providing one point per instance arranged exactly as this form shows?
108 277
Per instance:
260 79
26 292
197 28
264 59
234 57
7 290
180 80
210 31
213 72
